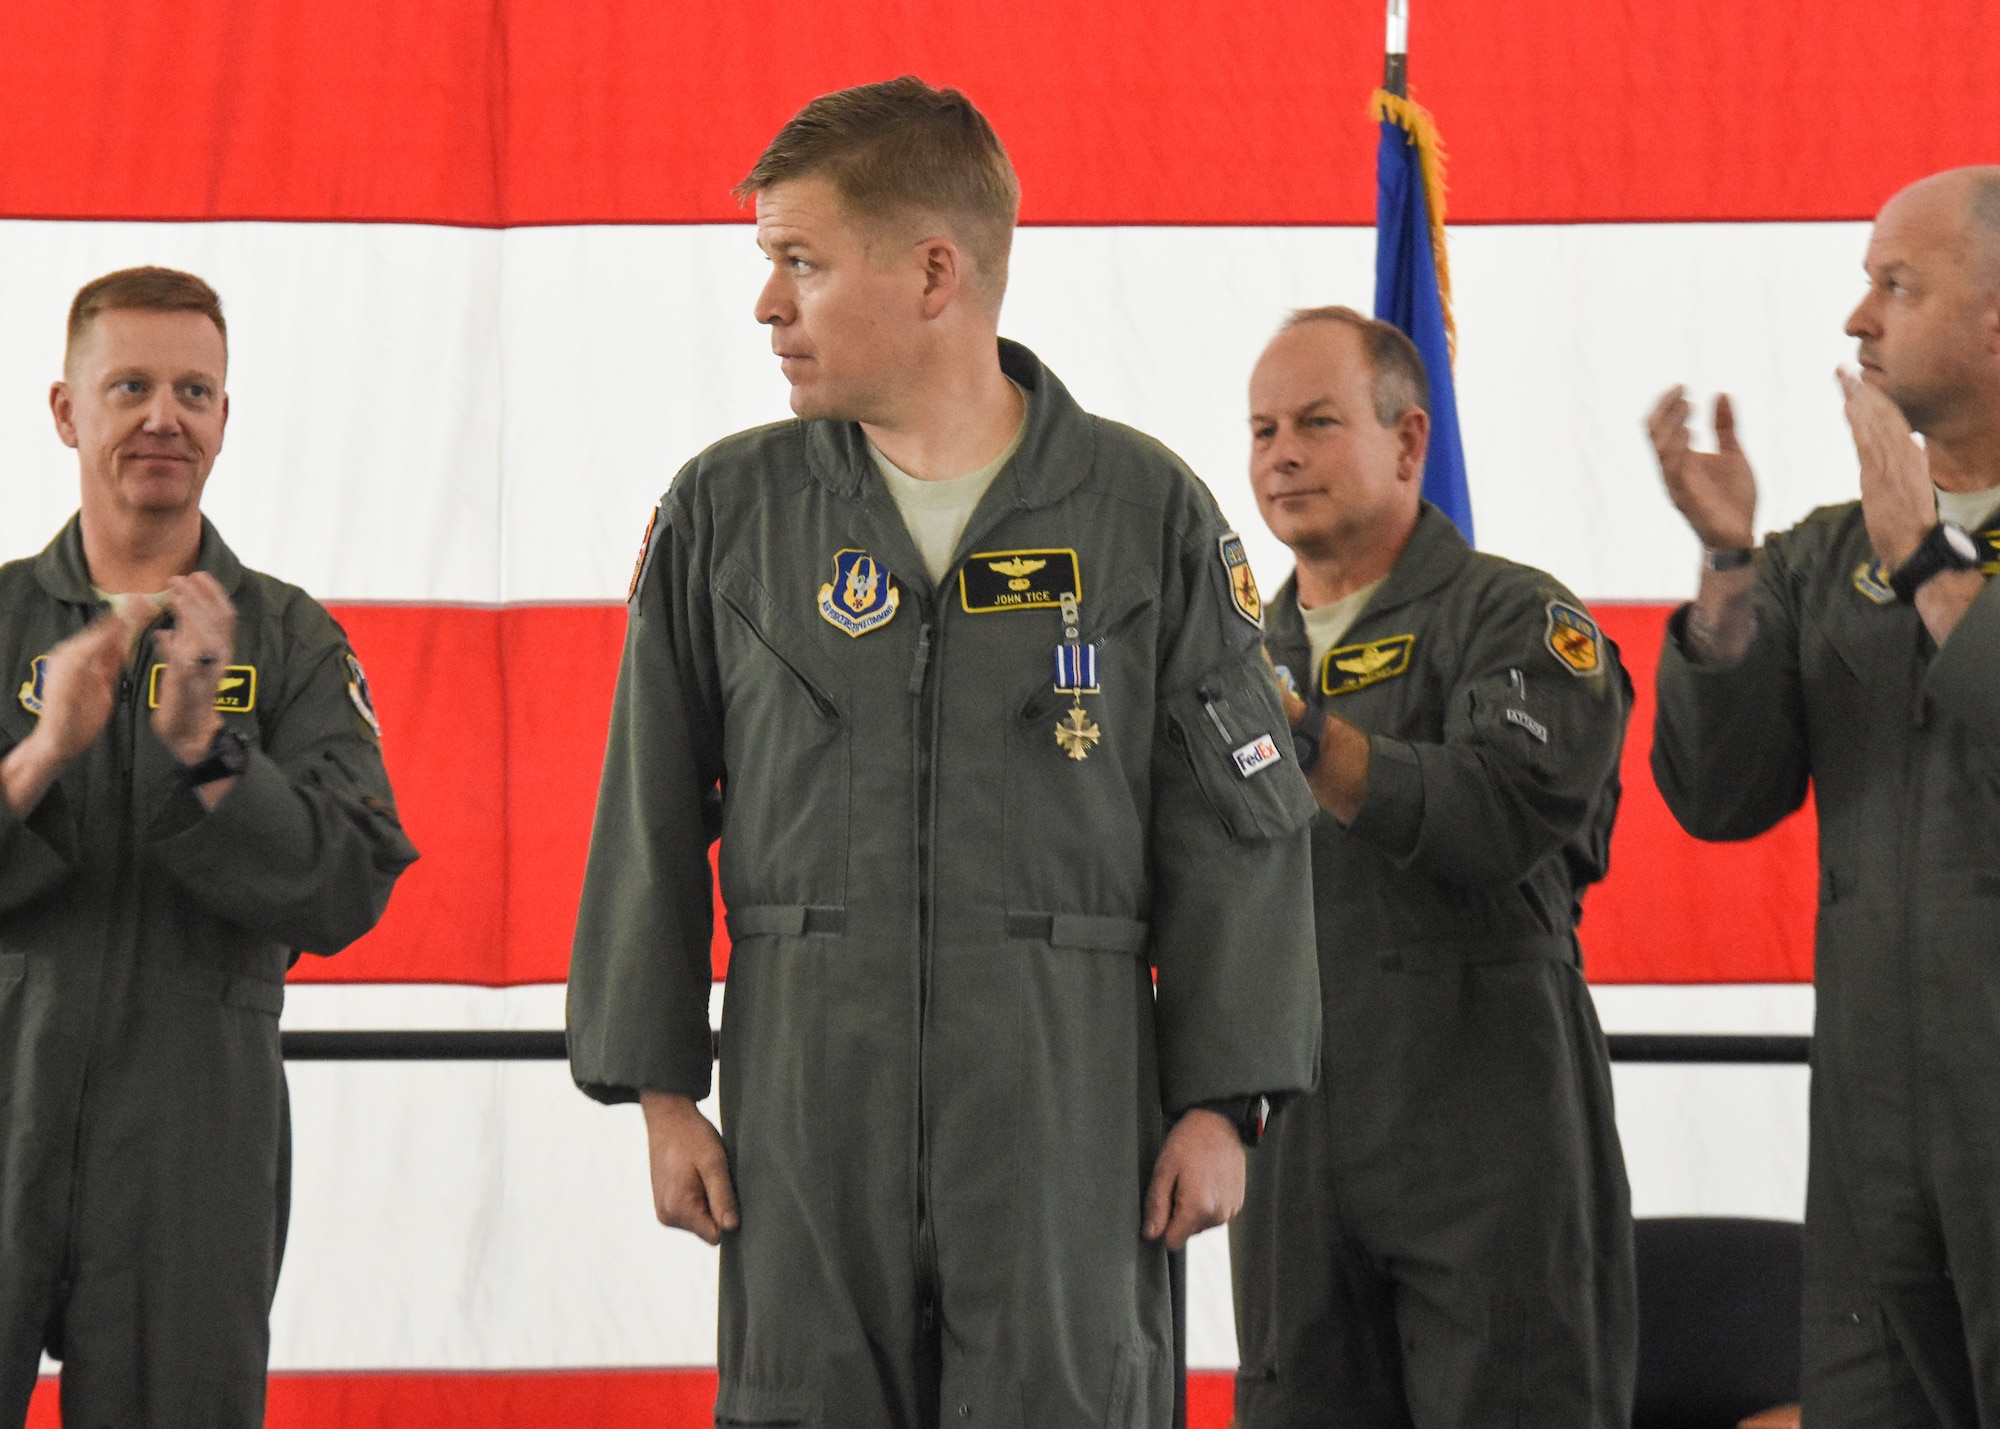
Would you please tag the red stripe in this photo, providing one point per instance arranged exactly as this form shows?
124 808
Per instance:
533 1399
495 721
545 111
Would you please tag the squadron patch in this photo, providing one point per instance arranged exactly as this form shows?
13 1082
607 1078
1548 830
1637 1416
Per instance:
645 550
31 689
1348 668
861 596
237 694
357 691
1242 581
1871 578
1018 580
1573 639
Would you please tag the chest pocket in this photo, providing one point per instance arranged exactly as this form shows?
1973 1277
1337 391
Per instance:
1232 731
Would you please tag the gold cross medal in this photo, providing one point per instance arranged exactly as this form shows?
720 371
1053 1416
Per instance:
1076 676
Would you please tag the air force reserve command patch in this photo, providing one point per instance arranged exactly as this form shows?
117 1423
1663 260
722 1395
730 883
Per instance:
1871 578
992 581
31 689
358 692
1242 582
861 596
1348 668
1573 639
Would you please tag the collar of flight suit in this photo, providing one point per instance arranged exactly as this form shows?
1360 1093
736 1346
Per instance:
65 574
1057 451
1435 554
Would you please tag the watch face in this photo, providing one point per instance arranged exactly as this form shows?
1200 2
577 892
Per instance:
1961 544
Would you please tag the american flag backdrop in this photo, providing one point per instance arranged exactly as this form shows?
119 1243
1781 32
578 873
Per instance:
487 290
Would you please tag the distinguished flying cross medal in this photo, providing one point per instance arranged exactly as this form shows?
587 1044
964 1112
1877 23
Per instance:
861 596
1076 676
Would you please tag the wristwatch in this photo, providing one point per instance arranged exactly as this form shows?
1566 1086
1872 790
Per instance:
1734 559
1247 1114
1946 547
1305 738
228 756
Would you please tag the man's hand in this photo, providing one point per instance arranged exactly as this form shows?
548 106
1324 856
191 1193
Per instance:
1715 491
1898 501
196 652
1198 1180
691 1189
79 690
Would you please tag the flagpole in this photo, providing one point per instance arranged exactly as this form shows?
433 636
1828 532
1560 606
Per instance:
1396 60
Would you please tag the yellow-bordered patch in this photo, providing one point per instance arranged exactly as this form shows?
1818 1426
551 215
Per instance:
1347 668
31 689
861 597
645 550
360 694
1871 578
993 581
1243 592
237 694
1573 639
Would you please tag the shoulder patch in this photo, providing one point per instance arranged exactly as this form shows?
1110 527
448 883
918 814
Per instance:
1871 578
1242 581
1348 668
31 690
991 581
1573 639
357 691
861 596
645 550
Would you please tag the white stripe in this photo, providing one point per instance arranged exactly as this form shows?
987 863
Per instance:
428 414
487 1216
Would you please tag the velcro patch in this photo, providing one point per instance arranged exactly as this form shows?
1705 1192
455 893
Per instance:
645 550
1259 753
1348 668
1243 593
31 690
1573 639
237 694
1871 578
992 581
861 597
358 692
1528 722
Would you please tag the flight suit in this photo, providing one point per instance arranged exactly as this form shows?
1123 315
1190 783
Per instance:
944 1067
1441 1234
1844 690
143 950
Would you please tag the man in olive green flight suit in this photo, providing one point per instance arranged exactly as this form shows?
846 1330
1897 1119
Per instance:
1859 654
978 677
193 792
1440 1235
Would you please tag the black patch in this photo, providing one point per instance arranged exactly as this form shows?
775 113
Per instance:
238 694
1018 580
1355 667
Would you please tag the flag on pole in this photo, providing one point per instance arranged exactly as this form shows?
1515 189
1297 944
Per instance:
1413 280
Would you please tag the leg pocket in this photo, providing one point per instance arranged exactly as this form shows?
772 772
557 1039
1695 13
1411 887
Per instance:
1142 1394
739 1406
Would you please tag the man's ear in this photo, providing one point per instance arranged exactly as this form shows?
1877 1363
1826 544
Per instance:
945 275
63 410
1413 441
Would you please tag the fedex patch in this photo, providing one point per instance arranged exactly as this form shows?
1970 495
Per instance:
1259 753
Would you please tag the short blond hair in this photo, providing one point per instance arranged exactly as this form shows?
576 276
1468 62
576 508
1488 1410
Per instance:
900 149
156 290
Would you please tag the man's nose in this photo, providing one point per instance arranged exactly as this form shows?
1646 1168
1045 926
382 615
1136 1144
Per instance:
774 303
163 413
1861 322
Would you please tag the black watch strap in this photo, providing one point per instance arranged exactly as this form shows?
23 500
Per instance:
1305 738
1945 547
228 756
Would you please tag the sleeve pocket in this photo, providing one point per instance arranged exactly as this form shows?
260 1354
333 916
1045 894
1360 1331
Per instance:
1233 734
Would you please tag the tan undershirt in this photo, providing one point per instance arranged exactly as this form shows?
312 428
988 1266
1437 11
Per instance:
1970 509
937 512
1326 624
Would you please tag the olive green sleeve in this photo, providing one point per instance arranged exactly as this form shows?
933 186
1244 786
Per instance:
1528 742
639 970
1729 746
37 853
1964 676
1232 918
306 845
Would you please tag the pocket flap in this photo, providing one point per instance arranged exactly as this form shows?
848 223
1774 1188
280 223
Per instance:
737 1403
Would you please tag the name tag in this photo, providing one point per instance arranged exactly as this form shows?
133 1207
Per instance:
1018 580
236 695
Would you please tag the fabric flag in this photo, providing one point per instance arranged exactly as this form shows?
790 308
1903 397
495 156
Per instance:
1413 281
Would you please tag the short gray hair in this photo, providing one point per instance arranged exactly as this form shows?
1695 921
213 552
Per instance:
1397 366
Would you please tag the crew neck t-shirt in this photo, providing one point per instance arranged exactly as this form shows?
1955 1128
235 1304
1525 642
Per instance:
1326 624
1970 509
937 512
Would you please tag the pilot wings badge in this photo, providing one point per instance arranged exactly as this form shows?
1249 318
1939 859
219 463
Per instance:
861 596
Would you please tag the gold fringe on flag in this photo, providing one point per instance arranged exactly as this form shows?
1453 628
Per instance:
1416 121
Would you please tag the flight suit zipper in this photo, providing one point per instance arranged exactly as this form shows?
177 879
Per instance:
924 718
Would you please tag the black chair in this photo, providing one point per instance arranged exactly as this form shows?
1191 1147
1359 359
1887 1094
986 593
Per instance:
1718 1320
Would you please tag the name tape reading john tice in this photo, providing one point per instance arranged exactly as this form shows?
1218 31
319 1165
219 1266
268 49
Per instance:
991 581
